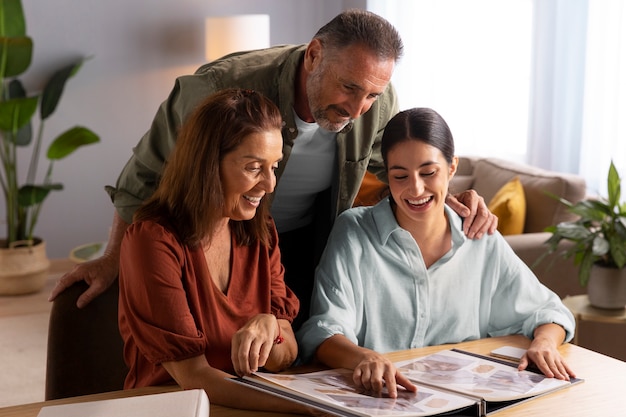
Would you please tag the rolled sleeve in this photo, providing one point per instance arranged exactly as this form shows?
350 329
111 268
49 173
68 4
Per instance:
552 314
135 184
331 315
523 300
337 297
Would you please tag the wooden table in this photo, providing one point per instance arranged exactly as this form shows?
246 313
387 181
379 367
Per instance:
602 393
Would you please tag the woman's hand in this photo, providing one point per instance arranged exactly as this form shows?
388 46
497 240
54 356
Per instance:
472 207
371 370
252 344
544 354
374 371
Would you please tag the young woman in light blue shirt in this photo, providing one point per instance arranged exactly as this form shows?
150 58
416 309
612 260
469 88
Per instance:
402 274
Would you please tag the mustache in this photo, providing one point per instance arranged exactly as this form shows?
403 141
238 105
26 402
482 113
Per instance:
339 111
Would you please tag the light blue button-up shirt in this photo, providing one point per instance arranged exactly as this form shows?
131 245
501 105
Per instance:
372 286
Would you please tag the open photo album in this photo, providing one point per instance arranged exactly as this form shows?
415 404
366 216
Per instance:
450 382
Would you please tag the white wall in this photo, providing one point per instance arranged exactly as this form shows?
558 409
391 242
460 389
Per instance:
138 48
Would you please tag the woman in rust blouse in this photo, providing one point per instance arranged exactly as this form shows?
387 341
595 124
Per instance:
202 295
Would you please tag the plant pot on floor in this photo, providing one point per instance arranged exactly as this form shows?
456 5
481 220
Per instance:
607 287
23 268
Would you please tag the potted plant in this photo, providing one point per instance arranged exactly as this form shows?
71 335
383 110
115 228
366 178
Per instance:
23 264
599 244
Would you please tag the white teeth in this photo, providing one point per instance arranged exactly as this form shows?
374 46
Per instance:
418 202
252 199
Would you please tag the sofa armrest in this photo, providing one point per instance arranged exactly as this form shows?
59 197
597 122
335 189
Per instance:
555 272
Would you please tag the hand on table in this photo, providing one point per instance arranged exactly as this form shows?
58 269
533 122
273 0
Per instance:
544 354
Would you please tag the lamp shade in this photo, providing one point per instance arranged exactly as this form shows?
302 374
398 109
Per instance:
227 34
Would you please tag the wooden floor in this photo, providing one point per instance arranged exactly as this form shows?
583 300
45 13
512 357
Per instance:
23 339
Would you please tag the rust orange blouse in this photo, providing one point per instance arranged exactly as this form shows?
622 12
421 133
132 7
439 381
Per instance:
170 309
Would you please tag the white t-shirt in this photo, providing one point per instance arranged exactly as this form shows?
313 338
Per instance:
308 172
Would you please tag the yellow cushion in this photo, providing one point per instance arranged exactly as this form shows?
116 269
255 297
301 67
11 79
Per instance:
509 204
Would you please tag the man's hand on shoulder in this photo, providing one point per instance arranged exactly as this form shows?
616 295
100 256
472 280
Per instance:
478 219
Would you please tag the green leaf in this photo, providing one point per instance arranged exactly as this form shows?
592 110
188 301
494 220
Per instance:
15 113
572 231
618 251
600 246
29 195
12 22
16 88
621 227
25 134
553 240
54 89
585 268
558 198
595 210
17 53
550 229
613 185
71 140
16 49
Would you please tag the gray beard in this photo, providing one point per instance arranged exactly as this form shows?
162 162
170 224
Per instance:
324 123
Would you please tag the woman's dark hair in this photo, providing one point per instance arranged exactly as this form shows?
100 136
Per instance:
420 124
356 26
189 196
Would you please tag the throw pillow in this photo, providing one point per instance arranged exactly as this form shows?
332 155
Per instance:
509 204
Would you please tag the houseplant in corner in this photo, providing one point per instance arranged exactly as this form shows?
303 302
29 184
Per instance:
599 244
23 262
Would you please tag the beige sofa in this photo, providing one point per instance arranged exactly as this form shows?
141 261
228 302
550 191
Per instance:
488 175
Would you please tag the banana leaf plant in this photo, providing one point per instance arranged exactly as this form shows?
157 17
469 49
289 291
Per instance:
17 113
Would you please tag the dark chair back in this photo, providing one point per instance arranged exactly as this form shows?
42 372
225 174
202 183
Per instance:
85 349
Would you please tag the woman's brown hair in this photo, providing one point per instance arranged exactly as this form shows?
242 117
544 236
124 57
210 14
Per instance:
189 196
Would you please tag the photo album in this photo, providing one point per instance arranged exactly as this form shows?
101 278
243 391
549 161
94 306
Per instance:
450 382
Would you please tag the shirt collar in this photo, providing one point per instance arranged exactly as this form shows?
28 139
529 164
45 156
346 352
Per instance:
386 223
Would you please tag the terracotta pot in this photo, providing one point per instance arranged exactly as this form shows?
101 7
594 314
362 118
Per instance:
607 287
23 268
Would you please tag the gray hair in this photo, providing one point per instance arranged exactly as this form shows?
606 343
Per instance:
357 26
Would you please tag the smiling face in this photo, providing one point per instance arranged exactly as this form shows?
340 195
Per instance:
248 173
341 86
418 177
